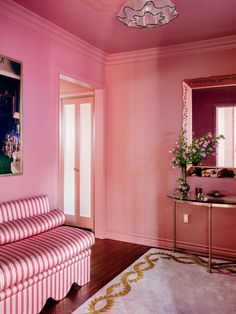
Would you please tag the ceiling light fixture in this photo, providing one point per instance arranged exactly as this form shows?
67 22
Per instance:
146 13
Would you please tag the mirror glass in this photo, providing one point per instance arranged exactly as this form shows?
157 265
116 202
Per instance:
210 106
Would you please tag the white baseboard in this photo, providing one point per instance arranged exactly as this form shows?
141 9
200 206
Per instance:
168 244
153 242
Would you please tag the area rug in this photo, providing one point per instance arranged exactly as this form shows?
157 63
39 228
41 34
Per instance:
162 282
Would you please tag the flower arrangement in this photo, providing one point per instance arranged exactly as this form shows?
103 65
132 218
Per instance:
200 149
204 147
185 154
181 152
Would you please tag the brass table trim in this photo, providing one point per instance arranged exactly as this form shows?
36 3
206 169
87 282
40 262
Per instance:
210 205
209 237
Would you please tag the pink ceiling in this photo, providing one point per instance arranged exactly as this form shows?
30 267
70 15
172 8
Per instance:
95 22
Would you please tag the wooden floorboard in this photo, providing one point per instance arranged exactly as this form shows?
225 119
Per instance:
108 259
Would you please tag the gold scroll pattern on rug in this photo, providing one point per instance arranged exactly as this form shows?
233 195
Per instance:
223 267
104 303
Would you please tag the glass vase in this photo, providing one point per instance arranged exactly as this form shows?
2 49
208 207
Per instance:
183 185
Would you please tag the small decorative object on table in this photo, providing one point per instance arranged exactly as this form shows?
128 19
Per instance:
185 154
216 194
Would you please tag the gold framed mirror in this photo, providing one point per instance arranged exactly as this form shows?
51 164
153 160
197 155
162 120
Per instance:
209 105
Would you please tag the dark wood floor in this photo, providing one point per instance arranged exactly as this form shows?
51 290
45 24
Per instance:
108 259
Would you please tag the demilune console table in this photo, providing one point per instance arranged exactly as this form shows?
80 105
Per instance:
210 202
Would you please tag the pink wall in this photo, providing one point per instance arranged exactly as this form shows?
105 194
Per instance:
143 119
144 115
43 59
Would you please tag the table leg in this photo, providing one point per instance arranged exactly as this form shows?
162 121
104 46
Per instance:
174 226
210 237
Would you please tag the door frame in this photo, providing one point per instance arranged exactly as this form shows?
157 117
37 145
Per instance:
99 163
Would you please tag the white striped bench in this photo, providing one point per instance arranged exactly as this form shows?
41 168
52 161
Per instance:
39 258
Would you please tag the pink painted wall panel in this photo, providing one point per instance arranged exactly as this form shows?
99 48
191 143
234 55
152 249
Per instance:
144 116
143 119
43 60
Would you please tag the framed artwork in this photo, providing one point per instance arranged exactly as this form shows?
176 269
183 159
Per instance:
11 162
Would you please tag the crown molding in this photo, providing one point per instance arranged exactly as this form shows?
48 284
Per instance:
21 15
178 50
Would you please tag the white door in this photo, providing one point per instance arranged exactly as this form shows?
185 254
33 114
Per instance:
77 162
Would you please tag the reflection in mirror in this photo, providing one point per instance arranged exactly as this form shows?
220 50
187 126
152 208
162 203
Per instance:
205 104
209 105
226 125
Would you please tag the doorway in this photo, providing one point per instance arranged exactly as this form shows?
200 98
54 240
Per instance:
77 153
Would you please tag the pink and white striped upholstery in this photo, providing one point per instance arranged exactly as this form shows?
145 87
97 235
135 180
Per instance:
42 265
6 293
19 229
23 208
29 297
27 258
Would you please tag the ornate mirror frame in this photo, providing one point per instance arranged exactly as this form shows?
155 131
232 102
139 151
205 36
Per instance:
205 82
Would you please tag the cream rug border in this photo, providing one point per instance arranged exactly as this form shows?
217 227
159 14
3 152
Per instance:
121 285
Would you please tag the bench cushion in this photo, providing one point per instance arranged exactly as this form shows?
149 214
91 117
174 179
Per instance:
16 230
23 208
29 257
